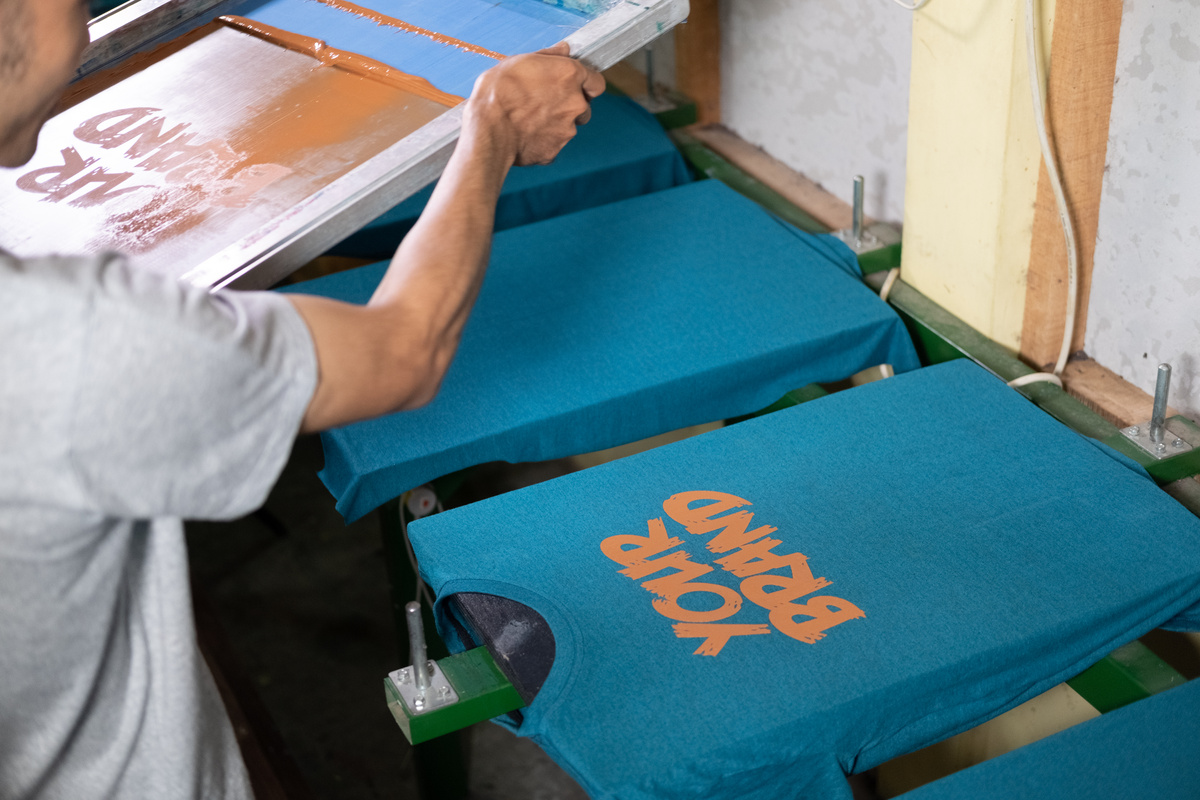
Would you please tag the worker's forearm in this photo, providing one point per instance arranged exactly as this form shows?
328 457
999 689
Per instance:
393 354
436 273
429 290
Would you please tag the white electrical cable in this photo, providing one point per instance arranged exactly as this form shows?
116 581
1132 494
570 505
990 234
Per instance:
1036 377
422 589
1064 213
910 7
886 291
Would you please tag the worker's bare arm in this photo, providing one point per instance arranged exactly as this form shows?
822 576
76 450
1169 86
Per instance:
392 353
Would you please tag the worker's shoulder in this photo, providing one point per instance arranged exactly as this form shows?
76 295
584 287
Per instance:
52 276
105 286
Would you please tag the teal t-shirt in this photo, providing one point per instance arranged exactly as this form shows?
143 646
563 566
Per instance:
1150 748
617 323
753 612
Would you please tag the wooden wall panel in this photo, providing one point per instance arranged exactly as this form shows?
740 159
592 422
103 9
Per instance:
698 59
1079 99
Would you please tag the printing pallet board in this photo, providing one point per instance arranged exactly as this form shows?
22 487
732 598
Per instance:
226 143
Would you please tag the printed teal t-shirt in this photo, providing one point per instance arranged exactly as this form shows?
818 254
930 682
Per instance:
753 612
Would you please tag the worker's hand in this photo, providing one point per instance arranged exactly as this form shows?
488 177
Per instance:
529 105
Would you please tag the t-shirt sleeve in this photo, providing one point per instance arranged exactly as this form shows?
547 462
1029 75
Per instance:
187 402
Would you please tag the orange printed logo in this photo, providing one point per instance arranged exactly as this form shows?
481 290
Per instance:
773 581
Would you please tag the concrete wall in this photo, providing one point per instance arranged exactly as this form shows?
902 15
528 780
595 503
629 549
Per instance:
1145 299
822 86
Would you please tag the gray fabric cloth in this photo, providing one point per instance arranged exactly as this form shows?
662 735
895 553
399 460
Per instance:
127 402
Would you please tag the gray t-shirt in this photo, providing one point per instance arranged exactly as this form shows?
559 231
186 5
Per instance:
127 402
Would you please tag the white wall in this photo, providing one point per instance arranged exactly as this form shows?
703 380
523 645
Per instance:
1145 300
822 85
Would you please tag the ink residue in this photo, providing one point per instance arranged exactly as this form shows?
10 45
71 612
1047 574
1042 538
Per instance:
399 24
343 59
185 149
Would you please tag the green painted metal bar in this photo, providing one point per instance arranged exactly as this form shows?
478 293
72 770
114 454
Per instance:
941 336
1128 674
483 691
881 259
708 162
1175 468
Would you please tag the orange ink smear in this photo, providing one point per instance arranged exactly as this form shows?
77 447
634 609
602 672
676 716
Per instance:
392 22
342 59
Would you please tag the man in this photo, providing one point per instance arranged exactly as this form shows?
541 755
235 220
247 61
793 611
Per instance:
128 401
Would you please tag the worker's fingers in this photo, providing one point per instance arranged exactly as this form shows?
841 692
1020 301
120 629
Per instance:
541 98
560 49
593 84
585 117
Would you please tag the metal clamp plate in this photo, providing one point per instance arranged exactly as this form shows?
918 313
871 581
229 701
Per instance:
874 236
1171 445
439 694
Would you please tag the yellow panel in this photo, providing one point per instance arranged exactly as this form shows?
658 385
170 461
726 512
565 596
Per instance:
972 162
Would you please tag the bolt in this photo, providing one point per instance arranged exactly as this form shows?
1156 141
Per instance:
1159 416
1160 447
1133 430
416 645
1177 444
444 692
418 703
405 676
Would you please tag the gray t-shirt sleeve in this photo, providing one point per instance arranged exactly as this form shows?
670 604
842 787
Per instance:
187 402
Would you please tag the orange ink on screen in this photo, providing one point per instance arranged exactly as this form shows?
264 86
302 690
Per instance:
182 150
399 24
342 59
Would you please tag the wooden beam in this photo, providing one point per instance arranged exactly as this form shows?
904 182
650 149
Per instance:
698 59
797 189
1083 67
1108 394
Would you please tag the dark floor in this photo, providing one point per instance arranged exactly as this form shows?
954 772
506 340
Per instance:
305 610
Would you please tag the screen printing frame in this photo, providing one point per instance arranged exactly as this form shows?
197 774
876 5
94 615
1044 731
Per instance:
276 249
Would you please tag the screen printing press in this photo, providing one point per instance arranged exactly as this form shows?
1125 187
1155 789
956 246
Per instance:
227 142
753 612
662 625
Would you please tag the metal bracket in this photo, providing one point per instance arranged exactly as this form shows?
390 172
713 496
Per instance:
1171 445
863 238
875 236
438 694
1152 435
481 689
